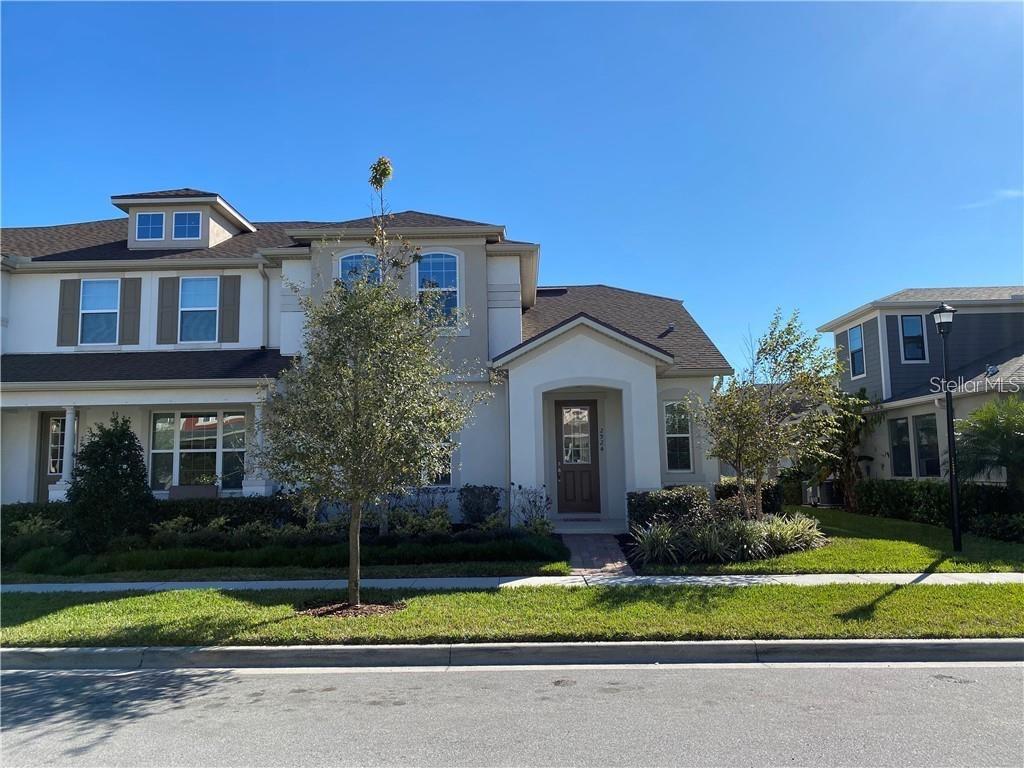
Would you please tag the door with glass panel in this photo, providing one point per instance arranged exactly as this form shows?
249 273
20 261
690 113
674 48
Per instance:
51 452
576 456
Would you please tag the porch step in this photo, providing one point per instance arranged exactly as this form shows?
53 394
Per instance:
579 518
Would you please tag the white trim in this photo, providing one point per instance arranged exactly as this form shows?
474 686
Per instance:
883 354
216 310
116 310
163 225
505 358
924 336
125 203
666 434
863 352
175 214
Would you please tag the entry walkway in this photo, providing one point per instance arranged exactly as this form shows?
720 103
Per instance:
496 582
594 555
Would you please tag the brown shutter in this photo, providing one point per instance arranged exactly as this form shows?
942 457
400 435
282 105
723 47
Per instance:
167 311
67 313
230 299
131 310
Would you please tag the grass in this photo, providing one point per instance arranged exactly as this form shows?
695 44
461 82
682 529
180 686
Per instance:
861 544
212 617
423 570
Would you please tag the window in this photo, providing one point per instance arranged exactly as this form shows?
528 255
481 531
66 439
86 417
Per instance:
198 309
198 448
899 448
55 446
576 435
855 341
677 437
438 275
149 226
926 437
99 302
443 478
187 225
358 266
912 338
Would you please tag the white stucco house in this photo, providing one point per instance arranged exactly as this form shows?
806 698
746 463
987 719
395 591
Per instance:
171 315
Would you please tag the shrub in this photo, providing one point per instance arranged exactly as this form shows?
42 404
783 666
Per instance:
109 492
792 533
33 530
792 481
537 526
531 507
436 521
680 505
655 542
771 493
478 502
708 542
42 560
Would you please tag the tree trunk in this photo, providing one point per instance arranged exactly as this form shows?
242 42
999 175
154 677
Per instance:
741 485
757 506
354 525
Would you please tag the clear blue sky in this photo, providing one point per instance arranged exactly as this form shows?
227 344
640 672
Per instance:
740 157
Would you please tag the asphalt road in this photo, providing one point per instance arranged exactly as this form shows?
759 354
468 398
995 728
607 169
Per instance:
925 715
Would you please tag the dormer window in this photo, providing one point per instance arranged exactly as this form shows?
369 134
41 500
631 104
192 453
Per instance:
149 226
187 225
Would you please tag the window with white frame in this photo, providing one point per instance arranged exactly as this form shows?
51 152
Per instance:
99 311
855 341
187 225
677 437
149 226
912 338
197 309
55 445
437 279
358 266
197 448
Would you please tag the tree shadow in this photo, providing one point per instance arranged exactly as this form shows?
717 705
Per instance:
867 611
84 709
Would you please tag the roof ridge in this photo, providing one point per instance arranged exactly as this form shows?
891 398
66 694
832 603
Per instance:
613 288
68 224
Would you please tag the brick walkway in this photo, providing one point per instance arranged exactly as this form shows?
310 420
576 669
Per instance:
596 554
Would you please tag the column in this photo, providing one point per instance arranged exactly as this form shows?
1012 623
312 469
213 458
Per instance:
256 482
59 490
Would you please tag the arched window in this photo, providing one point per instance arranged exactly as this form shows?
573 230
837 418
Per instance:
439 273
358 266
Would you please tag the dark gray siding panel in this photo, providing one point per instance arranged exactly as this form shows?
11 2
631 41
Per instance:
167 311
67 313
974 335
131 310
872 380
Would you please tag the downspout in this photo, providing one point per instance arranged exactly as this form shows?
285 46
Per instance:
508 444
261 268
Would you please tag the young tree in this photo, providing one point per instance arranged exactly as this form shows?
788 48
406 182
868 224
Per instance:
842 458
993 437
778 407
371 406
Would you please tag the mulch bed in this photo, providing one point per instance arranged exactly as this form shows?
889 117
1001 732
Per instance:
321 609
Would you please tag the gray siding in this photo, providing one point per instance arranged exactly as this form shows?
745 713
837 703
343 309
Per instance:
974 335
872 380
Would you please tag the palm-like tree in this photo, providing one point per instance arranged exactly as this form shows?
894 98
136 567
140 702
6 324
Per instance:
993 437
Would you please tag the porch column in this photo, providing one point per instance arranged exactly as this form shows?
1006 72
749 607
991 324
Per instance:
59 490
256 483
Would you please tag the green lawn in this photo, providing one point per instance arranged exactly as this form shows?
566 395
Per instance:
860 544
424 570
211 617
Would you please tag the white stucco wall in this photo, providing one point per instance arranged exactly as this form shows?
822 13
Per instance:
295 281
504 304
705 470
19 446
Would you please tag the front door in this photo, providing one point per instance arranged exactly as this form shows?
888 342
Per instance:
576 454
51 452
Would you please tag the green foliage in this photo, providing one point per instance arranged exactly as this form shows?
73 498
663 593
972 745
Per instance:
792 533
992 438
656 541
478 502
679 505
791 479
30 529
109 493
435 522
771 493
537 525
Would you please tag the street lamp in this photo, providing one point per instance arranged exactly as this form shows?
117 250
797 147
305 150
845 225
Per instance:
943 315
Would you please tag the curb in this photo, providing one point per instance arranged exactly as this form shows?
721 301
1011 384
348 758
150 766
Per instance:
490 654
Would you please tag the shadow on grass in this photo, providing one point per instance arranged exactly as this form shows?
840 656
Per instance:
866 612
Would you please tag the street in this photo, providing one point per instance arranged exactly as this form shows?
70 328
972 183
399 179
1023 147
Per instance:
829 715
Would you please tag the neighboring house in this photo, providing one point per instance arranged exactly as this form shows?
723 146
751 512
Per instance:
891 349
172 315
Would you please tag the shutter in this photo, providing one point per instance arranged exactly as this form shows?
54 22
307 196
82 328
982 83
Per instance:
130 316
230 299
167 311
67 313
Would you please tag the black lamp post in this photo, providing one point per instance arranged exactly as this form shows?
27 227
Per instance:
943 315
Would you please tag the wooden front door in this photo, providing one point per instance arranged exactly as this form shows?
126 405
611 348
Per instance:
51 452
576 454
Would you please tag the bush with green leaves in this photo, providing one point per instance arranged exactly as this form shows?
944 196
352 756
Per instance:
435 522
478 502
679 505
109 493
771 493
657 541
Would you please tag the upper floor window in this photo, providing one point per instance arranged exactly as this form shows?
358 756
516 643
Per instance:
855 341
149 226
677 437
99 310
438 273
197 309
358 266
912 338
187 225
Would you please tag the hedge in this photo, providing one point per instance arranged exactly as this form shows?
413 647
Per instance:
682 503
994 511
771 493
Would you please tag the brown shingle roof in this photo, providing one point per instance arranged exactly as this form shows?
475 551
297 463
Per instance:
183 192
410 219
660 322
953 295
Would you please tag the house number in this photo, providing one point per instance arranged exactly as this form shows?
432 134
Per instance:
600 439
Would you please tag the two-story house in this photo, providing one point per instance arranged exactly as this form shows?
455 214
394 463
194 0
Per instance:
892 350
171 315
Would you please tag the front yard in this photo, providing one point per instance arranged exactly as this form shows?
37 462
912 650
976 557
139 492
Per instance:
861 544
210 617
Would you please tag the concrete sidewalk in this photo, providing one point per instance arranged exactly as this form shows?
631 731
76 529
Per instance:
496 582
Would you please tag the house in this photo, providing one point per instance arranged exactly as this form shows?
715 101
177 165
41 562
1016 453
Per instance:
171 315
892 350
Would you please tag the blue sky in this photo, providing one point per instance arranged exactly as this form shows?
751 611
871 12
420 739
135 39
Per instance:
739 157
